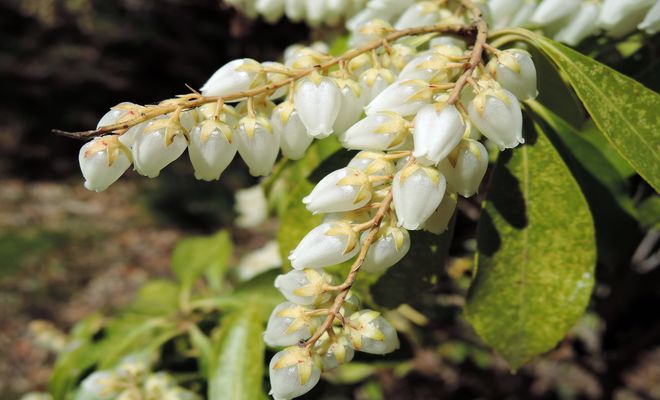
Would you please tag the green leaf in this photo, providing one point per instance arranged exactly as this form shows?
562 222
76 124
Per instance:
625 111
536 253
604 186
158 297
237 366
417 272
202 254
202 345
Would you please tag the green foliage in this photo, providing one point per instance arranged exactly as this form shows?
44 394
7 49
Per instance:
197 255
536 253
237 364
625 111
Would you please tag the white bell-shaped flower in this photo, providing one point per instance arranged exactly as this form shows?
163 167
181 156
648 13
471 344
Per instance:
334 9
128 138
374 81
438 222
270 10
101 385
122 112
273 76
294 10
418 14
417 191
293 372
318 100
651 23
515 71
289 323
314 12
496 113
390 246
334 351
235 76
549 11
398 56
160 142
432 66
619 17
258 144
342 190
465 167
524 14
372 163
328 244
372 30
305 287
293 135
102 161
402 97
351 105
384 130
438 129
583 24
371 333
503 10
211 149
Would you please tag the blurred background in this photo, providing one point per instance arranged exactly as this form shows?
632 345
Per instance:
66 252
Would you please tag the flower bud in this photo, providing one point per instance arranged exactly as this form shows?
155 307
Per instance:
318 100
651 23
102 161
293 135
328 244
294 371
289 323
372 163
418 14
496 113
211 149
305 287
334 351
549 11
258 144
438 129
101 385
371 333
465 167
391 245
584 23
429 67
351 105
345 189
384 130
402 97
417 192
374 81
374 29
515 71
157 145
235 76
439 220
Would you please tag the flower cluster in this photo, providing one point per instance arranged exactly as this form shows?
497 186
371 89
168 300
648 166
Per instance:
568 21
132 380
313 12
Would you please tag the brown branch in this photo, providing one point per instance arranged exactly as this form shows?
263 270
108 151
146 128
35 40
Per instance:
193 100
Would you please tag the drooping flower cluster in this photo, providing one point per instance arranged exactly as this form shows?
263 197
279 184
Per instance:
132 379
568 21
313 12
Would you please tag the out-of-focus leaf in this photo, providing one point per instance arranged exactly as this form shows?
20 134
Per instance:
606 189
237 366
202 254
649 213
536 253
625 111
339 46
156 298
417 272
202 345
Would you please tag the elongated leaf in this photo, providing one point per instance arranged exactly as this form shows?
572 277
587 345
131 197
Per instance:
604 186
238 365
625 111
196 255
417 272
536 253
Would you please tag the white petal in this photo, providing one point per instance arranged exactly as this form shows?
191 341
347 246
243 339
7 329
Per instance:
151 153
498 120
550 11
259 150
231 78
318 250
385 252
436 133
520 82
416 195
318 105
293 135
210 156
331 196
95 166
402 97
